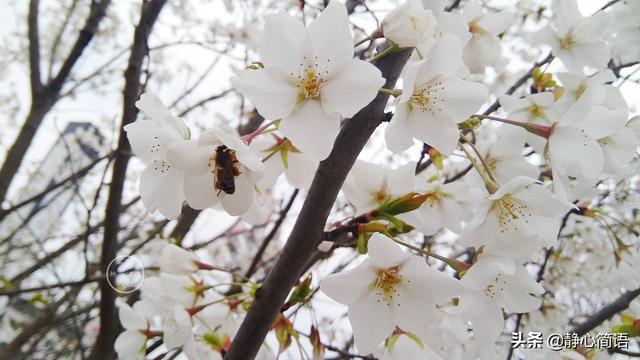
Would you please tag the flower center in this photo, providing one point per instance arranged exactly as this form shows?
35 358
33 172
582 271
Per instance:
381 195
386 283
436 197
428 98
475 29
496 285
580 90
491 162
536 111
309 79
309 85
567 41
415 23
510 212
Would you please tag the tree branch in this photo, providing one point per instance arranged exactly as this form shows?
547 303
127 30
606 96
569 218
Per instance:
606 312
82 172
108 315
34 48
47 95
308 229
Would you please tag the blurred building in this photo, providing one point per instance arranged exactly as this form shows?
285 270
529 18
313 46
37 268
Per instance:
79 145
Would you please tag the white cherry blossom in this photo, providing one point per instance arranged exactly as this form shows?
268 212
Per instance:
197 158
369 185
131 343
517 219
403 347
409 24
484 47
178 261
310 78
503 155
446 206
434 99
573 147
177 328
538 108
385 290
578 41
504 283
161 182
281 156
625 31
575 85
494 283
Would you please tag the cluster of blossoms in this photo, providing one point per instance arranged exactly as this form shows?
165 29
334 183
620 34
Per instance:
503 212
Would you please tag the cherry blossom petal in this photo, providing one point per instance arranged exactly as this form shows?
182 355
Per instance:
148 141
189 157
486 317
369 334
463 98
594 54
311 129
602 122
423 279
351 86
200 192
384 252
330 35
516 296
130 345
455 25
154 108
573 150
444 59
440 132
301 170
129 319
161 189
350 286
271 90
176 328
568 12
409 78
496 23
284 43
239 202
399 133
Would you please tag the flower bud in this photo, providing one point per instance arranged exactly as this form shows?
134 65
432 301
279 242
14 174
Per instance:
409 24
403 204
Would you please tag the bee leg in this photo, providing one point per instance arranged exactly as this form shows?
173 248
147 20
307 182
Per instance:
218 186
235 168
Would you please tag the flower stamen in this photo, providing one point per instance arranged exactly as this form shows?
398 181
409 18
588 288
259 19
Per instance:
509 211
385 284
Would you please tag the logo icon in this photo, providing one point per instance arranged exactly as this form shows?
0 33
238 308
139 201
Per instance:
125 274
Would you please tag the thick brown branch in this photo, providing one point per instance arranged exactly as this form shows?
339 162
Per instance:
96 14
108 315
308 229
34 48
606 312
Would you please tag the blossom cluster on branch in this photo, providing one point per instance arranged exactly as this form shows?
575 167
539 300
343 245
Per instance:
529 166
